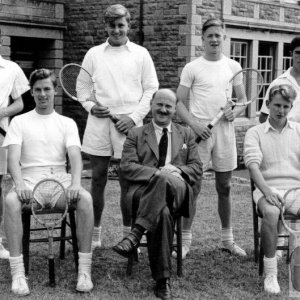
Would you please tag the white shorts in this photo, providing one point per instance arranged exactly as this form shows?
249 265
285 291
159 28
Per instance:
3 158
101 138
220 148
32 176
291 206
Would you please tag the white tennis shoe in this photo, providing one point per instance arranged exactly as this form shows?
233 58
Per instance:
4 254
271 285
19 285
234 249
84 282
185 250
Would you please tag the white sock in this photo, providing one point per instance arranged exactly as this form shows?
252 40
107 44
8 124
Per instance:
270 265
96 234
126 230
17 266
187 237
85 263
227 237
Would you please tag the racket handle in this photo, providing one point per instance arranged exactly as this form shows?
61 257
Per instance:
199 138
51 272
215 120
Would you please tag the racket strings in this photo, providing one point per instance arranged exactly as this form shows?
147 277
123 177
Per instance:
76 81
248 85
47 194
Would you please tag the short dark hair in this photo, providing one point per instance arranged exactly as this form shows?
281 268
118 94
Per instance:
40 74
212 21
287 92
116 11
295 43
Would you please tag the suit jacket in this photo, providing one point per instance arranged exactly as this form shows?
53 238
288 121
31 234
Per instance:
140 159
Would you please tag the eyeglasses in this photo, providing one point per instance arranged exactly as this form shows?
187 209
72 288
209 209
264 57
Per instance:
297 52
285 91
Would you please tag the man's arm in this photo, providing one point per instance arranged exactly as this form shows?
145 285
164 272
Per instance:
13 108
73 191
14 155
261 184
182 96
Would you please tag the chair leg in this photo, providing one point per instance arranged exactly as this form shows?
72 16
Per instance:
26 240
74 238
131 259
179 246
63 241
261 260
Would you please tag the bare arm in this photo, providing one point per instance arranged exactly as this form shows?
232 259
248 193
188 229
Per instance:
185 115
14 155
73 191
260 182
13 108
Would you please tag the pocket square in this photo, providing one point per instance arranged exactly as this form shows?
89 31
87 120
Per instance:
184 146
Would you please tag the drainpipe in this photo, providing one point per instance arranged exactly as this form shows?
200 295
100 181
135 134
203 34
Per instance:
141 23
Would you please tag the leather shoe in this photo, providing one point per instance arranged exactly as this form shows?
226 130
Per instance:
162 289
127 245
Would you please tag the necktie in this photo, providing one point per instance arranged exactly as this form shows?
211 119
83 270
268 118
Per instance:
163 148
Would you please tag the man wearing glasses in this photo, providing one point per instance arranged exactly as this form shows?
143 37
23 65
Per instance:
292 77
272 157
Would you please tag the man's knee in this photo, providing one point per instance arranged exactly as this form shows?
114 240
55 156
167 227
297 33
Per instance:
85 203
270 213
12 203
223 186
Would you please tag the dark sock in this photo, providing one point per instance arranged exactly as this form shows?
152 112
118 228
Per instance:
138 230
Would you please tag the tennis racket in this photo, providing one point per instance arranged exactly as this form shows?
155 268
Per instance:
294 240
46 193
243 88
78 83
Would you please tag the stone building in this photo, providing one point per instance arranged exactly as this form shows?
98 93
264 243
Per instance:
52 33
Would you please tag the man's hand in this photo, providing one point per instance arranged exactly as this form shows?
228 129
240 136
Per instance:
172 170
124 124
73 193
100 111
228 114
201 130
24 193
274 198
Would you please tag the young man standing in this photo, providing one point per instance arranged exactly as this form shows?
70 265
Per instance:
37 143
272 157
13 83
125 80
205 80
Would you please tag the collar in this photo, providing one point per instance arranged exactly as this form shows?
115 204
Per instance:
287 74
269 127
128 45
160 129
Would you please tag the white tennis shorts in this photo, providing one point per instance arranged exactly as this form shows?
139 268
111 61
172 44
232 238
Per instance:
101 138
291 206
220 148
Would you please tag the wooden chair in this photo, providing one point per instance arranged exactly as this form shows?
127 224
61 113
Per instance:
72 239
258 249
178 245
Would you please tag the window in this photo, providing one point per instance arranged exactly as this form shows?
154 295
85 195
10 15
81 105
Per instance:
287 59
239 51
266 54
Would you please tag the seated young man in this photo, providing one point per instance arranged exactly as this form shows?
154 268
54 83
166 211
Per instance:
160 161
37 144
272 155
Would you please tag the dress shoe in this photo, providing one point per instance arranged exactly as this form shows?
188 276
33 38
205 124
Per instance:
127 245
162 289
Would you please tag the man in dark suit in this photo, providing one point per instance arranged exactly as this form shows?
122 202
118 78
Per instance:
160 161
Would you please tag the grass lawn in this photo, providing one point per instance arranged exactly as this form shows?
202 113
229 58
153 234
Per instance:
208 272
